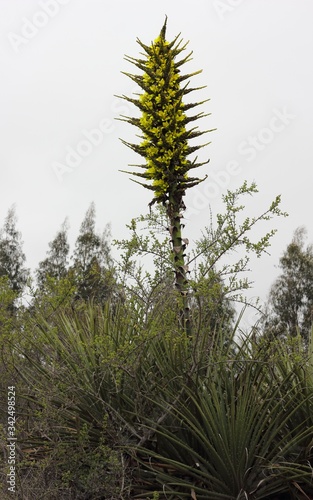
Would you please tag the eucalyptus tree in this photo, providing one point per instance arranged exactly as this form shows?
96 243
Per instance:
92 261
290 304
12 257
55 265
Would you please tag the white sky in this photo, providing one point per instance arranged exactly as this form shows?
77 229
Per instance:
61 69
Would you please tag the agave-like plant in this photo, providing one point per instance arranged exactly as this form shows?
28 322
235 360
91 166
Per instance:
89 379
74 371
165 139
243 431
201 417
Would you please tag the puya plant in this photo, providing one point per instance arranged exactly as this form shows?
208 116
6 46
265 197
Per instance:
165 141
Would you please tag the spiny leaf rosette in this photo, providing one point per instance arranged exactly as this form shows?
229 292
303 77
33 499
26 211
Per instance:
165 137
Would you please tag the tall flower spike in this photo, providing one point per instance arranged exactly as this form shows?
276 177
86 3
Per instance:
165 140
163 121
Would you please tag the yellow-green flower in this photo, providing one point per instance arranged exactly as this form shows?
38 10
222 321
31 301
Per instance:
165 142
163 122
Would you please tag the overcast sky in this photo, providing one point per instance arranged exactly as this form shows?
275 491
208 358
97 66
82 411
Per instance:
61 63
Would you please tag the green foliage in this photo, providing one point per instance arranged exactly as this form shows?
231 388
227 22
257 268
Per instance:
146 412
92 262
230 235
90 277
240 430
72 431
56 263
146 264
10 328
12 258
7 300
291 296
217 276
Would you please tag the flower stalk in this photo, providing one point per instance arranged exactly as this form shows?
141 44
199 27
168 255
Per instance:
165 140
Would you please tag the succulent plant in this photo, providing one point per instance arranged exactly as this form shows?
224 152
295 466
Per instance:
165 136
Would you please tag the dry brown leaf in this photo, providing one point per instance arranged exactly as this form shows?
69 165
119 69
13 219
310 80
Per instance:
300 489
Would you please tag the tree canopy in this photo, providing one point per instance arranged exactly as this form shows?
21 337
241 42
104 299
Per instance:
290 304
12 257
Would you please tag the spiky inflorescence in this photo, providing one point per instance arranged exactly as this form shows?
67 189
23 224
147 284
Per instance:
164 145
163 121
